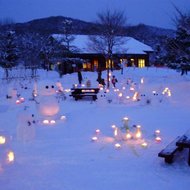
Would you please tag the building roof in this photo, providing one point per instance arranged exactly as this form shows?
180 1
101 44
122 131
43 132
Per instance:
129 45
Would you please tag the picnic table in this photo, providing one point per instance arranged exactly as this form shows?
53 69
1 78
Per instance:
184 142
80 92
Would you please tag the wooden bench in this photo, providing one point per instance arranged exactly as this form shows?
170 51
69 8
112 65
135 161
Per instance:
170 150
79 93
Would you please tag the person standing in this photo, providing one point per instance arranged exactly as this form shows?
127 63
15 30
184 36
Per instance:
79 77
114 80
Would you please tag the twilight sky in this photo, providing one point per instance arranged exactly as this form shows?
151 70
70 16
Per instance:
151 12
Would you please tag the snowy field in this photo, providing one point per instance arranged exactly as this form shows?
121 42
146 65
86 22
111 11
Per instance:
62 156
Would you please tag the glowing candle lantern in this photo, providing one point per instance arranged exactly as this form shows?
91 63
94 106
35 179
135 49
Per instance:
94 139
157 132
123 87
127 97
117 146
120 94
142 80
22 99
107 90
135 96
63 117
18 102
10 156
158 139
115 132
125 122
128 135
52 122
144 144
97 131
2 140
138 133
131 89
113 126
46 121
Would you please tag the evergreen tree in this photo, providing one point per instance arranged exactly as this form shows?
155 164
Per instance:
179 47
9 52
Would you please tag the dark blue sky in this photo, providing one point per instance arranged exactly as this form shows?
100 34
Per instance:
151 12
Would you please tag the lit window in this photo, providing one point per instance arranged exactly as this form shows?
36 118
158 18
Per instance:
86 65
141 63
96 63
109 63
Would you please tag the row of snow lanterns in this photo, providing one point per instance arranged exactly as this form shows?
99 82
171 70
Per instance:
52 121
129 135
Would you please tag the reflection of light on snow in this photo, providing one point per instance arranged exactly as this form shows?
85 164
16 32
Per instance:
2 140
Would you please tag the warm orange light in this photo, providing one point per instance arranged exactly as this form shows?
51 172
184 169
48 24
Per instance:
10 156
2 140
138 134
158 139
135 96
128 136
120 94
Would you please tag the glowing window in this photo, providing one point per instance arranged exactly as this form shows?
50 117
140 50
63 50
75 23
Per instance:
109 63
141 63
86 66
96 63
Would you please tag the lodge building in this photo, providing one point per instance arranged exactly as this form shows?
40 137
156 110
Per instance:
130 53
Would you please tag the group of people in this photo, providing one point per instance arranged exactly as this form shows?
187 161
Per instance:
100 80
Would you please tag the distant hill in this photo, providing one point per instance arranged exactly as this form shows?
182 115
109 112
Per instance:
153 36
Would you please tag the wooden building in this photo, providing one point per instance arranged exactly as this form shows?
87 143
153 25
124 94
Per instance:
131 53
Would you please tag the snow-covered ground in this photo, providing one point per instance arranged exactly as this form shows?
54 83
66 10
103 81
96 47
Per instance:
62 156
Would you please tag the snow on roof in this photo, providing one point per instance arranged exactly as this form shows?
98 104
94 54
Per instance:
129 45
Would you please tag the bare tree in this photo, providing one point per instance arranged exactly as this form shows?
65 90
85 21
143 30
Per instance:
110 35
67 36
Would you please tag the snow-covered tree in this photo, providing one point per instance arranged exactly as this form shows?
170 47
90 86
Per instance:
9 52
111 28
179 47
